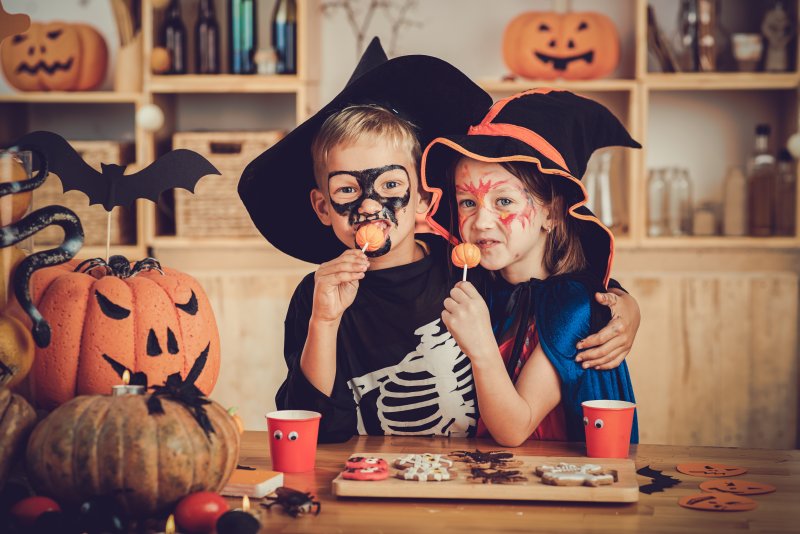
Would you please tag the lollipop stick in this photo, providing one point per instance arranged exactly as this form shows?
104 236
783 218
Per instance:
464 278
365 247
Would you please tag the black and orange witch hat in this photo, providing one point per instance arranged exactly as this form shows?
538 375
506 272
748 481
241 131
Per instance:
432 94
557 131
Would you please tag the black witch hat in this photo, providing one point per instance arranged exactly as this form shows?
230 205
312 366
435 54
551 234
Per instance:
432 94
557 131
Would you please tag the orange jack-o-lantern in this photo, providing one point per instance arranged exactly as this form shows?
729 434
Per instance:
704 469
55 56
573 46
106 317
737 486
718 502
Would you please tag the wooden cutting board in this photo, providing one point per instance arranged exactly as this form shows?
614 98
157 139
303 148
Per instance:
626 489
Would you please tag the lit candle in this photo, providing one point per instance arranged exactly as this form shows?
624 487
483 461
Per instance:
170 527
126 388
239 521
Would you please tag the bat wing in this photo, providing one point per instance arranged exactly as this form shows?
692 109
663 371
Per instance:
65 161
179 168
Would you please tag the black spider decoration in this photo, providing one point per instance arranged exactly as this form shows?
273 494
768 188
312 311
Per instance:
487 459
119 266
294 502
496 476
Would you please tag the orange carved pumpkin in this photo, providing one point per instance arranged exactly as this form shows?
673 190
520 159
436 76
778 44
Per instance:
573 46
466 254
99 445
55 56
137 316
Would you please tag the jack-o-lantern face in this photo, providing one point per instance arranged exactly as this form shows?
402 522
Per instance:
573 46
105 319
701 469
55 56
718 502
737 486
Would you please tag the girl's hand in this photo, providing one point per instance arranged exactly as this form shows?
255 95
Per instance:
610 346
336 285
467 318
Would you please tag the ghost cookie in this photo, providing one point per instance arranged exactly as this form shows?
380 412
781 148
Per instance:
427 459
565 474
361 462
365 473
426 473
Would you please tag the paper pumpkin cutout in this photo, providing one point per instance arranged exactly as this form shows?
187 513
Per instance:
737 486
701 469
573 46
55 56
718 502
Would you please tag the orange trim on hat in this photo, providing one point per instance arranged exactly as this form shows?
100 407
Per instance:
529 137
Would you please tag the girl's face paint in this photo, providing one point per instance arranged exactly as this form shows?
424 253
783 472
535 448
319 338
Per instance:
498 214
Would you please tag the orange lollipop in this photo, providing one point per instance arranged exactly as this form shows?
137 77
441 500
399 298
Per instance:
369 237
466 255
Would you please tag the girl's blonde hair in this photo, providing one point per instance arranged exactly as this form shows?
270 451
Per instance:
355 122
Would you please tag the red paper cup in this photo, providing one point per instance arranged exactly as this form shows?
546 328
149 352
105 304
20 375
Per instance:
608 427
293 440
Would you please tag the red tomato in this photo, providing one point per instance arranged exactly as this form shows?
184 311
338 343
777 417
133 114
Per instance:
27 510
197 513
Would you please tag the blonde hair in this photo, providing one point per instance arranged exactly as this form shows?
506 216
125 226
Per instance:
353 123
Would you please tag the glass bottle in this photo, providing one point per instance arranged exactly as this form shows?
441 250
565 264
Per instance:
761 186
656 203
284 35
174 37
242 35
734 221
680 202
785 195
207 39
685 41
605 203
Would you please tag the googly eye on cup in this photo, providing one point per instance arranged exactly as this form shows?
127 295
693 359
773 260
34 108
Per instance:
293 439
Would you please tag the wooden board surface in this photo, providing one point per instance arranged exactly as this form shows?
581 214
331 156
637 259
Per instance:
626 489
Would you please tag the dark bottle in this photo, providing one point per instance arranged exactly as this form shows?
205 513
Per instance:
761 186
207 39
284 36
174 36
242 35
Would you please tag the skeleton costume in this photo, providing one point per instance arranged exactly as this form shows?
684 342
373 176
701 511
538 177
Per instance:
557 131
398 370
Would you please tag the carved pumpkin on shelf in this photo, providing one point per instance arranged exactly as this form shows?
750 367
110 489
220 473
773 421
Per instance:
573 46
120 315
55 56
103 446
17 419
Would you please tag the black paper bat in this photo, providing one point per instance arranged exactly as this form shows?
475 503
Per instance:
179 168
660 481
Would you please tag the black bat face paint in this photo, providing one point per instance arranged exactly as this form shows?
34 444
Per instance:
388 186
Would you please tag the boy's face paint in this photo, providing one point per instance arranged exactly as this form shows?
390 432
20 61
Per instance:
498 214
373 183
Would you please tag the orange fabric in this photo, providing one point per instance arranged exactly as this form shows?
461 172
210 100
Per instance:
525 135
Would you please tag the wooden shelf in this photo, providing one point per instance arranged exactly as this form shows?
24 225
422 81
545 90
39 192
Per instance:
225 83
515 86
721 242
175 242
65 97
715 81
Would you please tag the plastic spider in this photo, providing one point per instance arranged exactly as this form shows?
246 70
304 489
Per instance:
119 266
496 476
294 502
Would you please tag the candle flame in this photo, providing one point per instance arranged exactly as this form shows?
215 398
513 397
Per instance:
170 526
126 377
246 503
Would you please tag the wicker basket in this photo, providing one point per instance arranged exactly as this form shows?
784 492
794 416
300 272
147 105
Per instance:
94 218
215 209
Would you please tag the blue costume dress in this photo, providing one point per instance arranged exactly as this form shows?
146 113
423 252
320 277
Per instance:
564 311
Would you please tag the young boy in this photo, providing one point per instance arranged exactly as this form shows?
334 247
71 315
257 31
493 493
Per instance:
364 342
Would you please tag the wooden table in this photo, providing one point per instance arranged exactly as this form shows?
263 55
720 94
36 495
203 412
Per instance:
659 512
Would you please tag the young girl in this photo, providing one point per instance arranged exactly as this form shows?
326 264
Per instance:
514 179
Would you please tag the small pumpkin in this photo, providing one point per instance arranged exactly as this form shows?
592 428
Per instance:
574 46
120 314
466 254
16 350
99 445
55 56
17 419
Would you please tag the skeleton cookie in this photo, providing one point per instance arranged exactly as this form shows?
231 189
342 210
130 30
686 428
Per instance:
426 473
424 460
565 474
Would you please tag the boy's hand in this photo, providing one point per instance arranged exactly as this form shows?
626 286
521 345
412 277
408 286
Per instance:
467 318
611 345
336 285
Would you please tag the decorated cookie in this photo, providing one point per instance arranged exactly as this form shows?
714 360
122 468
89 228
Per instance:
486 460
426 473
495 476
361 462
565 474
427 459
365 473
